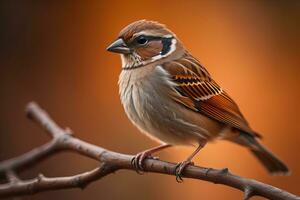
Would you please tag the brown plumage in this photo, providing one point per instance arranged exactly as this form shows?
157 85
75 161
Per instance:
206 96
171 97
128 32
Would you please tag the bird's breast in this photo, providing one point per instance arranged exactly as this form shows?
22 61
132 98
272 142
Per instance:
145 95
142 92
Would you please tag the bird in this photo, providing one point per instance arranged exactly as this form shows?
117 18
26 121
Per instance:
172 98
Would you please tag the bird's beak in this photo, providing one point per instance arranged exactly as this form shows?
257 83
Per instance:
119 46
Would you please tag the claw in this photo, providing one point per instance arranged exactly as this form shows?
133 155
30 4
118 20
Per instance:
179 169
133 161
138 161
179 179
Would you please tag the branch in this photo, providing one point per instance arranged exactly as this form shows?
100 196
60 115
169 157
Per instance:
63 140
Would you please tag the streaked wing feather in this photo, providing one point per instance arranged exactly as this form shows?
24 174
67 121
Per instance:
199 92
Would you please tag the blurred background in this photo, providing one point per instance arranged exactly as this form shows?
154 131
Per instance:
53 52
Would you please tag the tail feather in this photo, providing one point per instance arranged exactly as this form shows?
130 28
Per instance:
270 161
273 164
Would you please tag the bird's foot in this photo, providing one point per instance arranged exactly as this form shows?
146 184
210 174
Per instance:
138 160
179 169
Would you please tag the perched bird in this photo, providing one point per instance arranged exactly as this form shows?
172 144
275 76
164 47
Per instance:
173 99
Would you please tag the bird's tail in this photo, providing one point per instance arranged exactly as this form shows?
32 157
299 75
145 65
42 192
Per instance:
273 164
270 161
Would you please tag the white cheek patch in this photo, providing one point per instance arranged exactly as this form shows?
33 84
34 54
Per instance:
160 56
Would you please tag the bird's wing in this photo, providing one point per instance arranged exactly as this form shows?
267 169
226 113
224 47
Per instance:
199 92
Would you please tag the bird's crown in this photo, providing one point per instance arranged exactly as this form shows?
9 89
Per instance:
144 27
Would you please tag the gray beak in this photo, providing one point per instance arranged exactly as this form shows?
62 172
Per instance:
119 46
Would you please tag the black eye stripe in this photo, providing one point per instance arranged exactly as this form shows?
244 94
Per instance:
166 42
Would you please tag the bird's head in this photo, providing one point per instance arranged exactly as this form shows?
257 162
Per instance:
144 42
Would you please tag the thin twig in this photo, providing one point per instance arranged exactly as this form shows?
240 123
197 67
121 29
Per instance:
110 162
42 183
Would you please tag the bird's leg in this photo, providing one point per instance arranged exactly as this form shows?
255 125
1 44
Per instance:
138 159
182 165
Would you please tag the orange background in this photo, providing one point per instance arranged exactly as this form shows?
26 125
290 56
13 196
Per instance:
53 52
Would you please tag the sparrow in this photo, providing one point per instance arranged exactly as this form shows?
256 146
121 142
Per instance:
169 96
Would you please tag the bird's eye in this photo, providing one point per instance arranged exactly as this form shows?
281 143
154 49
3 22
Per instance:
142 40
